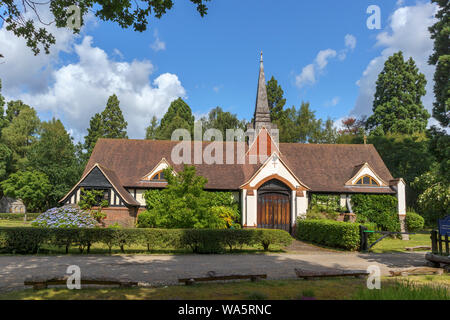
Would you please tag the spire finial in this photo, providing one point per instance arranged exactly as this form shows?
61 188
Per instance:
261 56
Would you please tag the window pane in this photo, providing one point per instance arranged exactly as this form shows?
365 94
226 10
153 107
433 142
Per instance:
366 180
359 181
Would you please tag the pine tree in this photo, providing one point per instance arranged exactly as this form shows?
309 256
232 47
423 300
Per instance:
397 107
440 32
113 124
95 131
275 97
178 116
150 132
221 120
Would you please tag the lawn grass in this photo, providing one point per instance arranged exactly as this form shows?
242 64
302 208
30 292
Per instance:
14 223
326 289
399 245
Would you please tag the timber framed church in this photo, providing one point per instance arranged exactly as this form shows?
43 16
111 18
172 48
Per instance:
272 193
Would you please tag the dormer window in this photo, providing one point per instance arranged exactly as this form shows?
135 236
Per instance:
159 176
366 181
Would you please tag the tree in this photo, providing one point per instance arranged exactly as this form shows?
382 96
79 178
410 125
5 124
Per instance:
94 133
352 132
5 161
126 14
327 133
113 124
287 126
150 132
54 155
108 124
221 120
3 121
397 107
20 134
275 97
14 108
178 116
440 32
32 187
307 124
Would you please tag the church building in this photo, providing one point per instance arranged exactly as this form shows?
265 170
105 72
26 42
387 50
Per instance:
272 192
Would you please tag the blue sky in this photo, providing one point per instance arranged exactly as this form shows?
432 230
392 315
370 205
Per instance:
213 61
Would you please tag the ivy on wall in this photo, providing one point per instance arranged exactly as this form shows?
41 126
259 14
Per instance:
325 203
377 208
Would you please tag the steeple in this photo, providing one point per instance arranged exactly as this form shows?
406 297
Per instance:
262 112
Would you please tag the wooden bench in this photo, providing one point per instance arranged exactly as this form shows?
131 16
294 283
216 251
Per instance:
307 274
43 283
252 277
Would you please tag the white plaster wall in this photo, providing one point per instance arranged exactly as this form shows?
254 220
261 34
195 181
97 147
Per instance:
302 205
161 166
401 198
343 200
367 171
140 196
251 209
271 169
243 207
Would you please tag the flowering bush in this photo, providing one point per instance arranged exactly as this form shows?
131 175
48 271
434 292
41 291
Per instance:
65 217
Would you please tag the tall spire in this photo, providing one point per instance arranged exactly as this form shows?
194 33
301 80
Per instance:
262 112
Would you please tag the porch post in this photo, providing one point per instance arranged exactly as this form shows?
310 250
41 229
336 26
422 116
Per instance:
399 186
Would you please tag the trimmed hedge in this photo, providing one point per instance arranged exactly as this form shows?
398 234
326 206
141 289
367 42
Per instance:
414 221
380 209
30 240
18 216
336 234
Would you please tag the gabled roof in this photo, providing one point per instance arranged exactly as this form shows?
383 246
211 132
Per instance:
113 180
322 167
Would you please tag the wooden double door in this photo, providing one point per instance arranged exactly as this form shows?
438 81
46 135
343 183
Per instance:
274 211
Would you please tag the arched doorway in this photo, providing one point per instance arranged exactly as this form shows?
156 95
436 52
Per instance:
274 206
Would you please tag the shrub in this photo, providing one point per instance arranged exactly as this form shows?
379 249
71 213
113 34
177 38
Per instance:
67 216
377 208
18 216
414 221
29 240
334 234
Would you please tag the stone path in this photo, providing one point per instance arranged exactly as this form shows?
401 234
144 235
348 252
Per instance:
166 269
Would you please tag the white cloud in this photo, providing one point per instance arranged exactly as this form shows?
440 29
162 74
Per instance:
306 77
158 45
310 73
350 41
408 32
323 57
333 102
81 89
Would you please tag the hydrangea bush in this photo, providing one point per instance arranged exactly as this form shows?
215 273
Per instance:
65 217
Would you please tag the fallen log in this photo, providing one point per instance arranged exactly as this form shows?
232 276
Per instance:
416 271
43 282
418 248
307 274
437 258
252 277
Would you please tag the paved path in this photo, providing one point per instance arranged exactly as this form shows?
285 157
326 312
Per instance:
166 269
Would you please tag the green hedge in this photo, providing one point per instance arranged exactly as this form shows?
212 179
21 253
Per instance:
336 234
380 209
414 221
18 216
30 240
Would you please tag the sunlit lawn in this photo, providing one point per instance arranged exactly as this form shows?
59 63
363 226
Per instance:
326 289
399 245
14 223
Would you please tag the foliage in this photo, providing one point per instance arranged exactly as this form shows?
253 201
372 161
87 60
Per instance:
93 198
434 199
5 161
29 240
334 234
397 106
32 187
439 146
326 202
178 116
150 131
20 134
18 216
221 120
125 13
275 98
65 217
110 123
185 204
440 33
54 155
414 221
377 208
